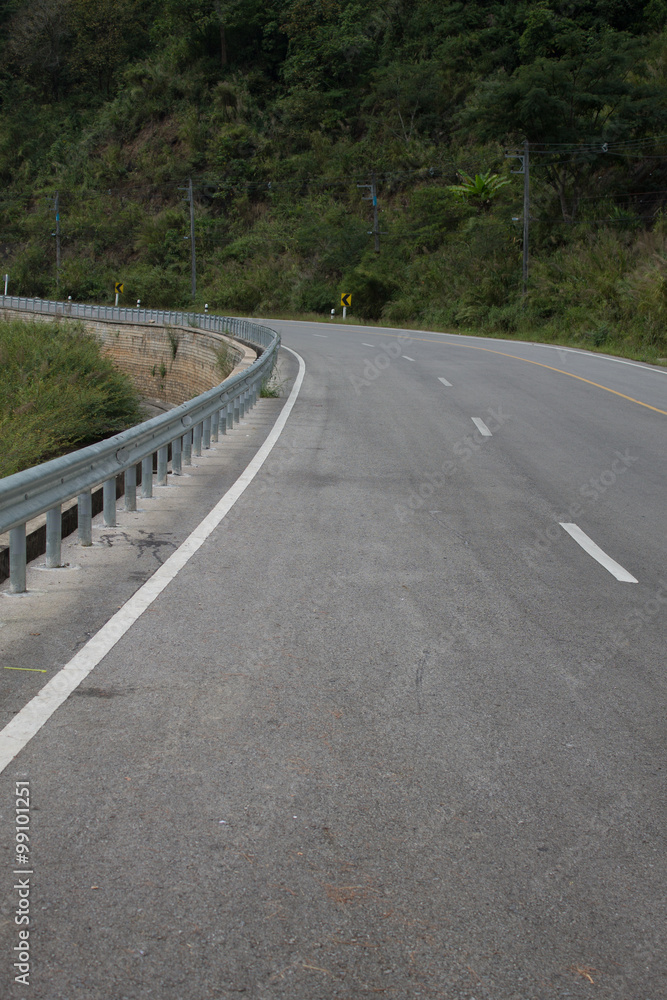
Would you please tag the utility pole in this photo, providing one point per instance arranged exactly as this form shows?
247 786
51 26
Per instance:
526 212
192 239
372 187
57 235
191 200
525 170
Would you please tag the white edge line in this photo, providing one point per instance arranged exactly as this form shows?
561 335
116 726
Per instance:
593 354
390 330
534 343
407 358
481 427
17 733
323 336
445 382
588 545
367 345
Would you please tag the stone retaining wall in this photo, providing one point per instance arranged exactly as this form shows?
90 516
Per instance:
170 364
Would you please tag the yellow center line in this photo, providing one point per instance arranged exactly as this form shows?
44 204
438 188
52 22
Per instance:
489 350
33 670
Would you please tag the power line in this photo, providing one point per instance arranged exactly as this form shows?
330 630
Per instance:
596 143
620 197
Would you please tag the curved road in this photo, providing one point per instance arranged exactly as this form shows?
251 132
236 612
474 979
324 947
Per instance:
397 726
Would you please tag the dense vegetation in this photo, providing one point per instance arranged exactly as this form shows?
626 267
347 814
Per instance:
57 393
279 109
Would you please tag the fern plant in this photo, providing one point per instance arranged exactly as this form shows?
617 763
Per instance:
481 188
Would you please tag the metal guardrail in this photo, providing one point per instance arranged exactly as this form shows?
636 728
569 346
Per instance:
157 317
186 428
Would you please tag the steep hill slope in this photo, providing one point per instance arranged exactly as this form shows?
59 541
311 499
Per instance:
285 112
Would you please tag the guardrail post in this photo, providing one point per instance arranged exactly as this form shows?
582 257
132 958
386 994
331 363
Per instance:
17 558
231 405
162 454
54 534
131 488
109 494
85 519
176 468
147 476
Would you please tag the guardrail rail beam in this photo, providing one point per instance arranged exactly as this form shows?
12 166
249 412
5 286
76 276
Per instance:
45 488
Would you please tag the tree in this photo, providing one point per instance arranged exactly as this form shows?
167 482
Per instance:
576 90
206 23
404 96
100 27
330 42
36 46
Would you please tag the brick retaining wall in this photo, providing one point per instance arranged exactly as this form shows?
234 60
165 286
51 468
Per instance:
167 364
171 364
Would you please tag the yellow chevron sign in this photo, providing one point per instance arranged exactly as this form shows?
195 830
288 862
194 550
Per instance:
118 288
346 298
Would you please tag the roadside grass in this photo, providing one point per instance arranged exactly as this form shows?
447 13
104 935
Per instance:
603 292
57 393
270 389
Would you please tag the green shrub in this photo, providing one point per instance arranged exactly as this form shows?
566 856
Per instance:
57 393
370 293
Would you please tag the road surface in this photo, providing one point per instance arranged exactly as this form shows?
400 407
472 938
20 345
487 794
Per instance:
397 725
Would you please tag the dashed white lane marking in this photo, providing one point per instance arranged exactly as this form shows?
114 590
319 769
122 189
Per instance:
481 427
588 545
322 336
32 716
445 382
392 331
407 358
367 345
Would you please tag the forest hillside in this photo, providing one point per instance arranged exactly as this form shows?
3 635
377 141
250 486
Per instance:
288 115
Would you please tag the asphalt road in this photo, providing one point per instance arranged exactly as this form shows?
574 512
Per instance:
392 729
